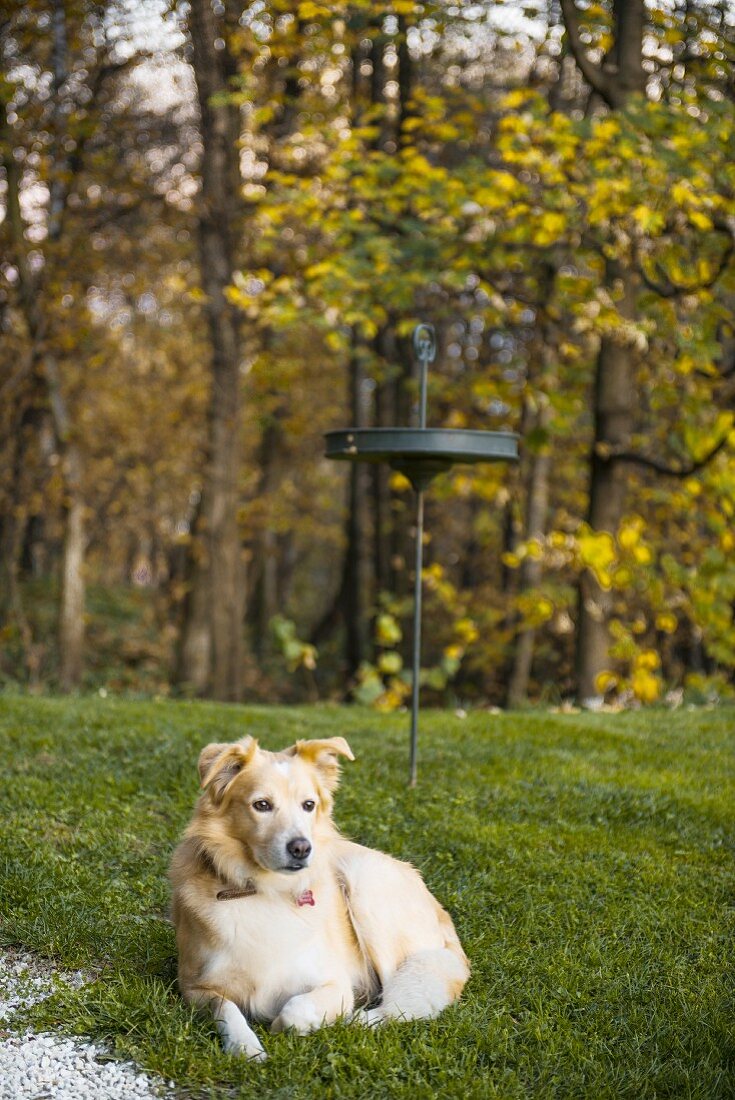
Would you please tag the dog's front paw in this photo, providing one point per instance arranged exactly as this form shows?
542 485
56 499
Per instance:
237 1035
252 1052
369 1017
256 1055
299 1015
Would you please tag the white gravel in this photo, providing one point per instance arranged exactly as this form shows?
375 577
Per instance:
50 1067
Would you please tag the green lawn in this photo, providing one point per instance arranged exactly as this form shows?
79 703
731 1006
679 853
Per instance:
587 861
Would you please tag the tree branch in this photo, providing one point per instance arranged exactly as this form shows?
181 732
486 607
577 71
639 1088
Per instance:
670 289
28 283
670 471
597 79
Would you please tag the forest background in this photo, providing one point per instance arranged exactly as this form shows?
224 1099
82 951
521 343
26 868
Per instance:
221 223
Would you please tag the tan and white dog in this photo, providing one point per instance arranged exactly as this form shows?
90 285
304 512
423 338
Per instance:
280 919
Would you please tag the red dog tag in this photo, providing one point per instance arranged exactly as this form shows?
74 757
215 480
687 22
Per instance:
307 898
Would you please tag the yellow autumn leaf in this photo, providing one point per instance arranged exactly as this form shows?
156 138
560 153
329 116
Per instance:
700 219
335 340
309 10
535 610
498 187
399 483
390 664
650 221
467 631
391 699
681 192
607 129
544 609
648 659
666 622
605 681
550 227
387 630
514 99
622 577
629 534
597 552
417 164
645 685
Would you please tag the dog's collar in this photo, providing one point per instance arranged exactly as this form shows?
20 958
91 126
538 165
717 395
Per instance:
247 891
229 893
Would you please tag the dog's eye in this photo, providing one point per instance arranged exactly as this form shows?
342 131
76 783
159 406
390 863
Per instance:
263 806
309 805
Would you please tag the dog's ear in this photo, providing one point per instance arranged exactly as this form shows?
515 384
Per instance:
220 764
324 756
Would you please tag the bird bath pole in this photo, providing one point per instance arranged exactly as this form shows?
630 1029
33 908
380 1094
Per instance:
424 344
420 454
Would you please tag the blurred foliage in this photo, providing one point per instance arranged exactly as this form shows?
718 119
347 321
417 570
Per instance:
399 162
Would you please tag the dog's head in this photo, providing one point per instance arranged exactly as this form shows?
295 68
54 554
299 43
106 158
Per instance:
277 805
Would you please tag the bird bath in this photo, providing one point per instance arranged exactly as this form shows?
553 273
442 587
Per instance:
420 454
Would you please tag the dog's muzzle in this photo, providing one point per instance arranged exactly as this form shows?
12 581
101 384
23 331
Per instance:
299 849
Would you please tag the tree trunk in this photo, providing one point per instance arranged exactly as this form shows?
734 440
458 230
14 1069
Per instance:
381 498
353 590
620 76
530 572
621 72
627 53
614 405
402 509
405 79
72 604
350 603
72 600
211 647
264 564
537 417
71 611
12 524
45 364
384 502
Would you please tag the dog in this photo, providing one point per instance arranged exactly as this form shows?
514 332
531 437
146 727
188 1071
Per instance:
280 919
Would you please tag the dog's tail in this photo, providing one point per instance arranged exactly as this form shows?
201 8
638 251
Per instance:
451 940
423 985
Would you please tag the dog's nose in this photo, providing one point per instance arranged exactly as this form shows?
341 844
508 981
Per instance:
299 847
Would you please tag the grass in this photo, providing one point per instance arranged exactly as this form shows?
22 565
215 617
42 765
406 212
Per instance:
586 859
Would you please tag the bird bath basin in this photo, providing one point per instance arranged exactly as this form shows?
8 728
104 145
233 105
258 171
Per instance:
421 453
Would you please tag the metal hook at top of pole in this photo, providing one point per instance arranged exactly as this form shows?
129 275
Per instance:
424 345
424 342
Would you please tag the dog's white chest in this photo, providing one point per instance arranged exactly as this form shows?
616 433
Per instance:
270 952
